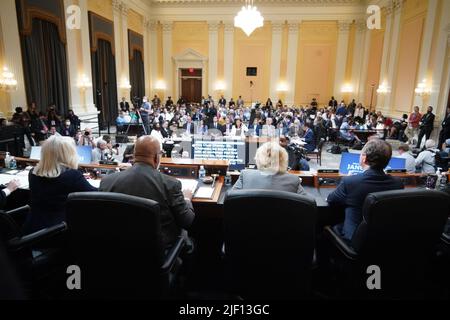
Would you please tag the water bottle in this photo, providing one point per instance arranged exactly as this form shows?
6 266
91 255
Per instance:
201 172
13 163
228 179
438 179
7 160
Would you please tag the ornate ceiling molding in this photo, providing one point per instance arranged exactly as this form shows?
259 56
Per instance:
258 2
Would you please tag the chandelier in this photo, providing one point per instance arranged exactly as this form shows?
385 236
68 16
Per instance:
7 81
249 18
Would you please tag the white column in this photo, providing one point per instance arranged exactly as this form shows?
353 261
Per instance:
228 59
153 51
393 54
386 46
438 80
275 62
358 55
426 45
167 61
364 67
125 73
13 54
213 28
291 61
147 57
117 43
90 112
341 57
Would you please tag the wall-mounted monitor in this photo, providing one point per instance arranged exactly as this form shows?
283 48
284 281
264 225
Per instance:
252 71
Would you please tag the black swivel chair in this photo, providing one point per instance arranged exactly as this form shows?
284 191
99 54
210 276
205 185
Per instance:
269 244
37 257
399 233
115 239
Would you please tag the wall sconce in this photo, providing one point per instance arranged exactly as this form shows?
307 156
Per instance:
160 85
84 82
347 88
7 81
422 89
282 87
125 84
383 89
220 86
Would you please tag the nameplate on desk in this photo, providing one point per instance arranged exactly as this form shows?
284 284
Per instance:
396 171
328 171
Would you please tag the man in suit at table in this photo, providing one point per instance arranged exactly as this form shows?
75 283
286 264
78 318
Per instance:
353 190
145 181
189 125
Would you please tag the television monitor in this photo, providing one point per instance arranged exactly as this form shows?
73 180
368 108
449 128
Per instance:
221 149
350 164
252 71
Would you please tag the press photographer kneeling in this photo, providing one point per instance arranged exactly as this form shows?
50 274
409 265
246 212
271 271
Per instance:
297 155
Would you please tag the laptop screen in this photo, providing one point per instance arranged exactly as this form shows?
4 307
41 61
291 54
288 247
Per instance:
350 164
84 154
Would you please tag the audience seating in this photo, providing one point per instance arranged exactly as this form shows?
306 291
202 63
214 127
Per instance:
399 233
115 239
269 244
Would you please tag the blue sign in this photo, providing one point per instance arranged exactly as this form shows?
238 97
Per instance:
350 164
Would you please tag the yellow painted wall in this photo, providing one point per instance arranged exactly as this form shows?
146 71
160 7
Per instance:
101 7
316 62
190 35
350 49
4 97
135 22
253 51
434 43
283 63
411 30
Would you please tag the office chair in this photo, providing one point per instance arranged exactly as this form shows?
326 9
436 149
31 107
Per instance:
116 241
269 244
399 233
36 256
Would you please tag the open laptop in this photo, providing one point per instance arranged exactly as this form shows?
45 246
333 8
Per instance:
84 154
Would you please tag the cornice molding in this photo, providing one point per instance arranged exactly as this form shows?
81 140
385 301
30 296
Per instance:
260 2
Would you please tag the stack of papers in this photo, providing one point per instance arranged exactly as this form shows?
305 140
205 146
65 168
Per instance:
204 193
188 184
23 178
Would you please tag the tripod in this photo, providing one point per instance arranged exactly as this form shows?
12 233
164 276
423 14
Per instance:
140 124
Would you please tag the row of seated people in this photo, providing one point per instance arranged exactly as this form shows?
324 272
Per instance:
56 176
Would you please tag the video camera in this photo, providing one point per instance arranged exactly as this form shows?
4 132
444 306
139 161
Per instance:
136 101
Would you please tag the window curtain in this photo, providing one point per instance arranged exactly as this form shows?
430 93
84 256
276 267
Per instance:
45 67
105 84
137 77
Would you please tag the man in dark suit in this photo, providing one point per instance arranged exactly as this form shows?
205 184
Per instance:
333 103
189 126
10 188
352 190
222 101
216 125
145 181
310 145
445 132
426 126
124 105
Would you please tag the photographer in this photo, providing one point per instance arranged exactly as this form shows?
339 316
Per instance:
297 159
86 139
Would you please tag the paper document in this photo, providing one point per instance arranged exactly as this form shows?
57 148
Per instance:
6 178
94 183
189 184
204 192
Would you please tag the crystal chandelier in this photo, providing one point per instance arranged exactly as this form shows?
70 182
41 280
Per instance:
7 81
249 18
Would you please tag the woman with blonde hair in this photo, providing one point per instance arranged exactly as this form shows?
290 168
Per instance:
272 163
52 180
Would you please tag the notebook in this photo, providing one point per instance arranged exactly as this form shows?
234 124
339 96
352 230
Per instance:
188 184
204 193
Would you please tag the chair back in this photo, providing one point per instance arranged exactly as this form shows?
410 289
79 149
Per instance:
115 239
269 243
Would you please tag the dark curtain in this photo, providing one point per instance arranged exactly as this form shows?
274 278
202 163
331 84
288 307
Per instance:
45 67
137 76
104 83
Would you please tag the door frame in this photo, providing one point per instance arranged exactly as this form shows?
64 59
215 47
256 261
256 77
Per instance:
190 58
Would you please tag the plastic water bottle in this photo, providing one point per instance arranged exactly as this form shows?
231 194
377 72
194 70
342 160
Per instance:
13 163
201 172
7 160
228 179
439 178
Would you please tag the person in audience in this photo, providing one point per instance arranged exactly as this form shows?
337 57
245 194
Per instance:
54 132
124 105
410 164
99 153
426 126
128 154
272 163
145 181
309 137
268 130
22 120
68 130
413 124
165 130
87 139
202 128
346 132
333 103
353 190
425 161
145 111
51 181
189 126
53 119
222 101
39 128
169 101
74 120
240 102
445 131
113 150
359 111
156 133
239 129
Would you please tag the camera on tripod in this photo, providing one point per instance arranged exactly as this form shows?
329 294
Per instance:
136 101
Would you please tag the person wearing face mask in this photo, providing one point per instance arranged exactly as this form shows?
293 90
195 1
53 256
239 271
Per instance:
145 114
68 130
144 180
